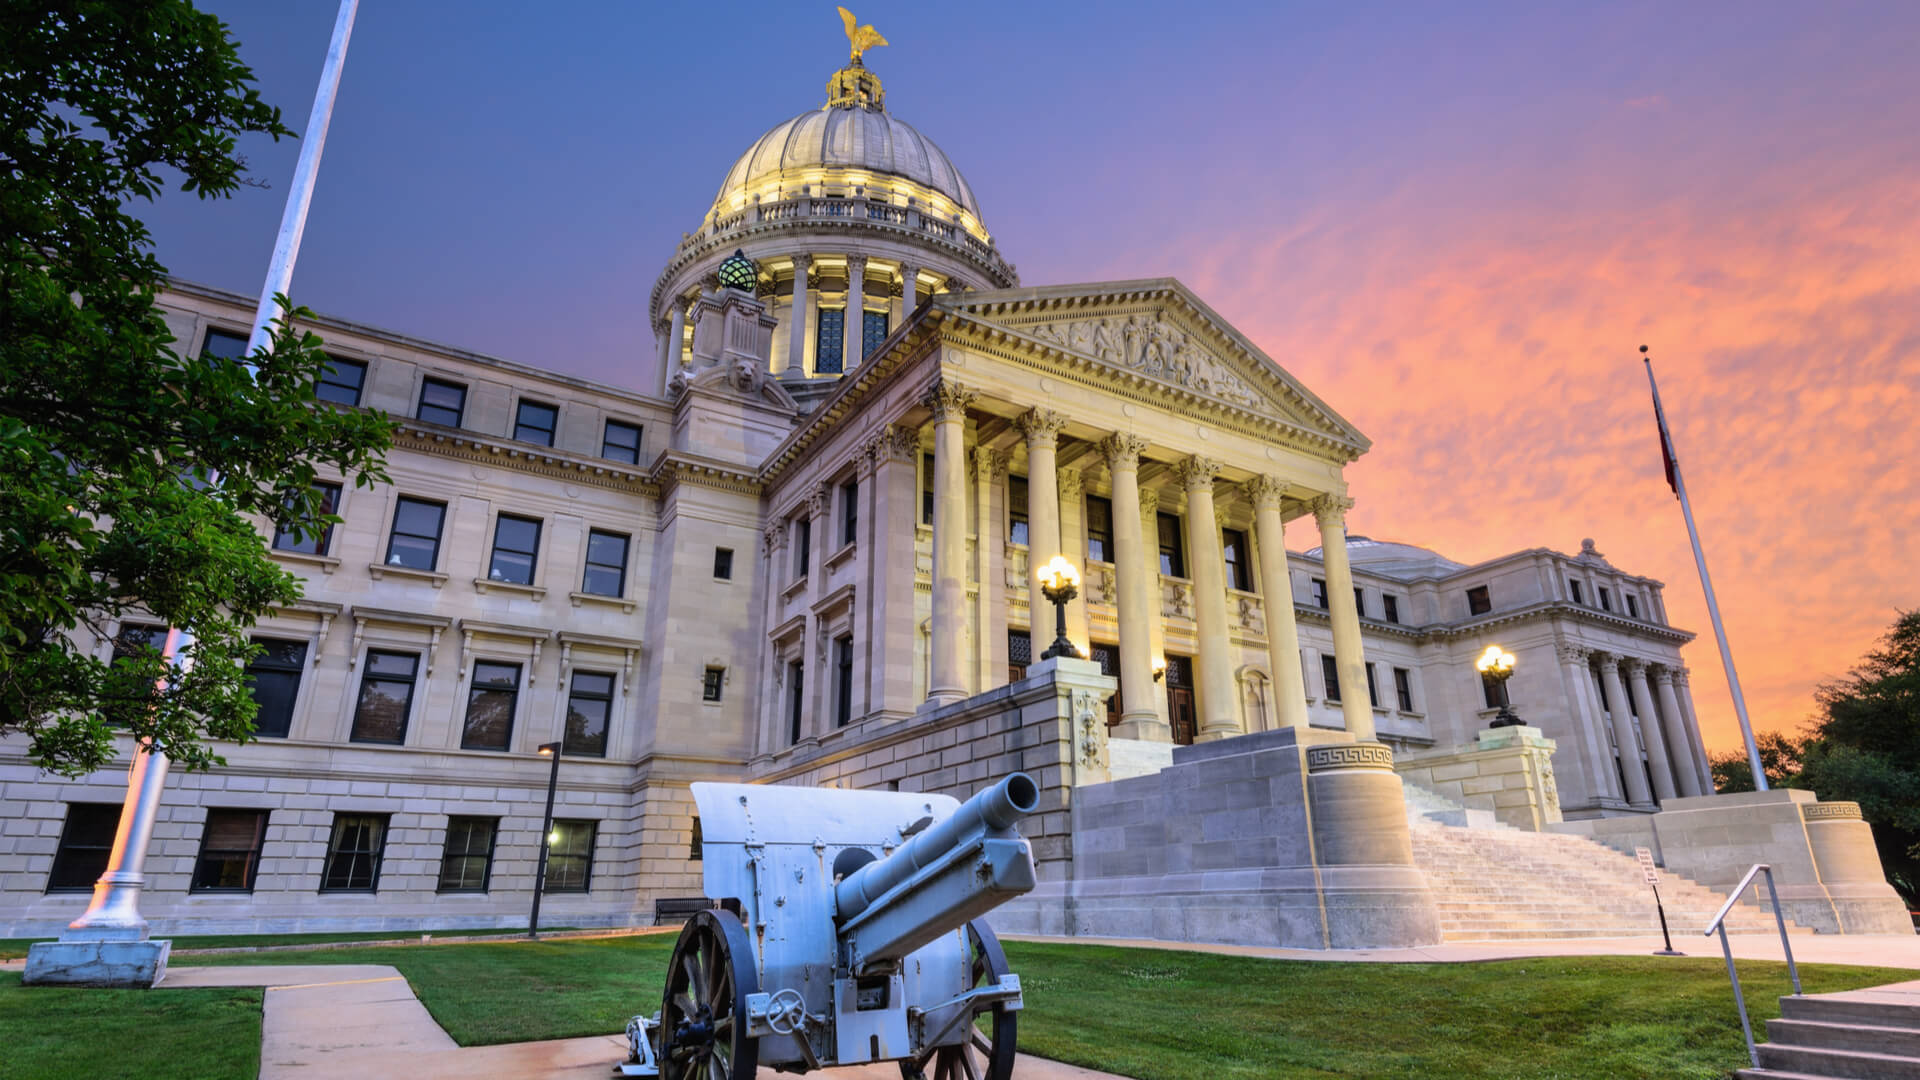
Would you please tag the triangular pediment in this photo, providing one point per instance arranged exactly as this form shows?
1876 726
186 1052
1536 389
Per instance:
1158 330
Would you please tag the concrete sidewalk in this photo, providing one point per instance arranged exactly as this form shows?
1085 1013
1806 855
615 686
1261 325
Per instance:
1867 950
363 1022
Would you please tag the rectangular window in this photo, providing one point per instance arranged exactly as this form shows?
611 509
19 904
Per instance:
274 678
570 856
1373 692
1173 550
1099 529
342 381
1019 653
353 854
1390 607
873 332
621 442
606 564
589 706
516 550
535 422
1016 510
1360 601
711 682
1606 599
849 511
826 341
1233 550
441 402
1108 657
1478 602
311 539
1573 587
1403 688
796 697
802 546
843 680
490 703
230 851
1330 674
1600 685
723 563
386 696
415 542
1633 605
224 345
1320 593
467 861
926 489
85 842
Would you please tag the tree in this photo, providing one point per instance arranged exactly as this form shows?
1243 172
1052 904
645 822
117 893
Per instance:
1779 756
108 437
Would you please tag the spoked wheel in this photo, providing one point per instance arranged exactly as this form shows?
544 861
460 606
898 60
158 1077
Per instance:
703 1025
988 1052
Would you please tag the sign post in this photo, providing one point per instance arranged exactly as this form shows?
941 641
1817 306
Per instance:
1645 858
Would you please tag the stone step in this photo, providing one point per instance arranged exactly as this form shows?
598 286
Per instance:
1857 1007
1845 1036
1845 1064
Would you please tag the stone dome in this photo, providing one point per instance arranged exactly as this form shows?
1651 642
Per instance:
1389 558
842 143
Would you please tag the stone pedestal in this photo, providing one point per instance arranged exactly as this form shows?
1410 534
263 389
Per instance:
1822 854
98 958
1507 770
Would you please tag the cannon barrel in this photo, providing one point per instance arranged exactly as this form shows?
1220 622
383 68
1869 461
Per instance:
994 810
940 879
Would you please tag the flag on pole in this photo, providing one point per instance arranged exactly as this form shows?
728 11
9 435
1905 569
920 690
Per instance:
1666 443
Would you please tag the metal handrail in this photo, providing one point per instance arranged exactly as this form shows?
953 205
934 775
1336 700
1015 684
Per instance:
1726 948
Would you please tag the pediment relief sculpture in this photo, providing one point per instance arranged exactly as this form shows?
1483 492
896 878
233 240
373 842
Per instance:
1155 347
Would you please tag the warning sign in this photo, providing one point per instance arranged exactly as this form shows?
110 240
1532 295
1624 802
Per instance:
1645 859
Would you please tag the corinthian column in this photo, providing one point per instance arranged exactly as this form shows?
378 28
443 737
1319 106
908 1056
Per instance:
1276 596
1681 690
1218 716
853 346
802 316
1684 774
1042 429
676 336
1658 760
1349 652
1629 746
1138 602
666 369
1587 723
948 401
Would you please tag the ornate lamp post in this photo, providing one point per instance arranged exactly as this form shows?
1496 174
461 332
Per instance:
1061 583
1497 664
547 750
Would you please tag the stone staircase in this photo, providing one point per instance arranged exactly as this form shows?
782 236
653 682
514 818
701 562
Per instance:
1858 1035
1492 882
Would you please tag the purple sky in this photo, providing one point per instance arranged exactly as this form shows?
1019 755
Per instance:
1454 222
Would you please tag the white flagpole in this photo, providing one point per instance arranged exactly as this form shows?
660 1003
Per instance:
1706 584
115 910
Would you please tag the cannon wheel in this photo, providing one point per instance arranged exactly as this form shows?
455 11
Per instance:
987 1054
703 1025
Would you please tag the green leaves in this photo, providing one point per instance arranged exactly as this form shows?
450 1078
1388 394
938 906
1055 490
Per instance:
107 435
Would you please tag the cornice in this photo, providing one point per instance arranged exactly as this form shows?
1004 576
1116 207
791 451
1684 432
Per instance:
1547 609
676 467
464 445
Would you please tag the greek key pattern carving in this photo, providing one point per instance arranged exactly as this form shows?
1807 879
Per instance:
948 400
1041 427
1831 811
1330 510
1352 756
1122 450
1151 346
1196 473
1265 491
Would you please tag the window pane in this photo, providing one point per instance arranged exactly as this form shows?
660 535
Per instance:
535 423
1173 551
1099 529
391 663
826 350
85 842
586 727
230 850
516 545
224 345
873 332
353 856
621 442
490 704
469 853
275 680
342 381
570 856
386 693
442 402
606 570
1330 674
416 534
312 539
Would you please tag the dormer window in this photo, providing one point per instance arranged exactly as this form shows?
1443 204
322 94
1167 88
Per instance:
1606 599
1573 588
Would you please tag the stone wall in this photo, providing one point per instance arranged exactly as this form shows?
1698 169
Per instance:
1508 771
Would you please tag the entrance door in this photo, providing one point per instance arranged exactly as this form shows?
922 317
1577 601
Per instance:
1180 711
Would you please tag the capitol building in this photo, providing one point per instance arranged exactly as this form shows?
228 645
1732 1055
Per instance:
805 550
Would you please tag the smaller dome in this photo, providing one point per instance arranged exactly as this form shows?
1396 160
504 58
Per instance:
737 271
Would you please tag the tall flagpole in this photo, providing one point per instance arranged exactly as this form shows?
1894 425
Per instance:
114 913
1706 582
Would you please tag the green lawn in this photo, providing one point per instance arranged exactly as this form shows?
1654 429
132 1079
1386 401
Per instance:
1153 1014
15 948
55 1033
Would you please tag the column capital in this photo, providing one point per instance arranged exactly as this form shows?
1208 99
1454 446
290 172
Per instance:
1632 665
1041 427
948 400
1682 675
1609 663
1002 463
1122 450
820 499
774 538
1573 654
1265 491
1149 502
983 460
894 443
856 265
801 262
909 276
1069 480
1662 675
1330 509
1196 473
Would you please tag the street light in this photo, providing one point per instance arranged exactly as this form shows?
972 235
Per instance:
1061 583
547 750
1497 664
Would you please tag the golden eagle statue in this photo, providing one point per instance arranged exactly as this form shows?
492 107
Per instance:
862 37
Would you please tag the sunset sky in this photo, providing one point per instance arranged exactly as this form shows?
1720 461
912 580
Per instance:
1454 222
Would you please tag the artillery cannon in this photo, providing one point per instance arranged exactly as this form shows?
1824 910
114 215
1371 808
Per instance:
848 931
